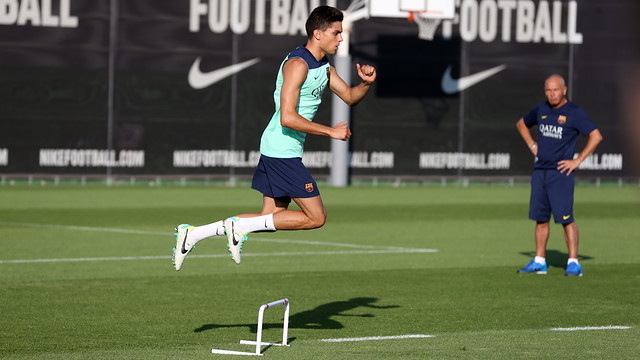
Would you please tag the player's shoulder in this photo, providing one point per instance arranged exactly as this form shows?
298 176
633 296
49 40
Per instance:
295 62
301 52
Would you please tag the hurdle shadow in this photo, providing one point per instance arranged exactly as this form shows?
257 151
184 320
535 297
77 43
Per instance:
322 317
556 258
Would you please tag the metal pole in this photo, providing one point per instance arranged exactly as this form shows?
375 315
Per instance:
113 46
464 69
285 326
234 106
259 335
570 75
340 112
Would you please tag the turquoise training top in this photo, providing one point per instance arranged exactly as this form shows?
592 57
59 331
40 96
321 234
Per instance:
282 142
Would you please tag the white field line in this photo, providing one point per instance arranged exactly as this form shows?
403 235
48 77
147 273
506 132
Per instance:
372 338
414 336
298 253
366 249
82 228
586 328
143 232
323 243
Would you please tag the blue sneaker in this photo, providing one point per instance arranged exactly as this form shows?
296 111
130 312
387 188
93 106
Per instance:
573 269
534 267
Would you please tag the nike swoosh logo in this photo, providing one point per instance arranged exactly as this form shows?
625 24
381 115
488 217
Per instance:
233 232
566 217
184 251
200 80
452 86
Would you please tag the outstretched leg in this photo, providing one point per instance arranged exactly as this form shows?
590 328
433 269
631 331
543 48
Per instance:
311 215
277 216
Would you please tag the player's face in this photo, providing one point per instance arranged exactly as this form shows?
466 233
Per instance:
555 91
331 38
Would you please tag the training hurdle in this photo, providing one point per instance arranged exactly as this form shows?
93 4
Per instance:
258 343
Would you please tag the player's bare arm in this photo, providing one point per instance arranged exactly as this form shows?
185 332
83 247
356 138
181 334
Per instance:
294 73
352 95
569 165
526 136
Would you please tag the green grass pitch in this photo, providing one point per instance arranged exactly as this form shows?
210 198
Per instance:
85 273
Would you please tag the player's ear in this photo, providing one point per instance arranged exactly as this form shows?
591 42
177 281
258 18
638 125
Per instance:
316 34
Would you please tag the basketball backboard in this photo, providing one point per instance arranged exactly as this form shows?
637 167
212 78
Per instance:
438 9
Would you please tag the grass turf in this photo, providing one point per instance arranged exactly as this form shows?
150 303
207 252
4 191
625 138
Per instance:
125 301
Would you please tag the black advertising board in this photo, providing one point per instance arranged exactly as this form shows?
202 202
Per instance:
171 114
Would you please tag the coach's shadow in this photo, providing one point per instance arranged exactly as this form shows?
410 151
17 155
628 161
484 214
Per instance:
556 258
319 318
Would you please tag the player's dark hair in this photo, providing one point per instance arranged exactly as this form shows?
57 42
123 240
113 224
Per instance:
321 19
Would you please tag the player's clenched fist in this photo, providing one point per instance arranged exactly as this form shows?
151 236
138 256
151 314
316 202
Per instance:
341 131
367 73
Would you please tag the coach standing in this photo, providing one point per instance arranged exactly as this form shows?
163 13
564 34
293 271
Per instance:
552 183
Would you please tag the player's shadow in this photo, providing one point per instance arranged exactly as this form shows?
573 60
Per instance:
322 317
556 258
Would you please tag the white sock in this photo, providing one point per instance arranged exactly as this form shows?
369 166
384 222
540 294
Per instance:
257 223
541 260
202 232
572 260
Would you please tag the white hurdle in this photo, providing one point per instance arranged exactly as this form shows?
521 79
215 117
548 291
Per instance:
258 343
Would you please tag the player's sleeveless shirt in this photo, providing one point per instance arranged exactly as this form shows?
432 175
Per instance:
282 142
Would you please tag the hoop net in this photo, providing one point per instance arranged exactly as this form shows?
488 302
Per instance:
426 25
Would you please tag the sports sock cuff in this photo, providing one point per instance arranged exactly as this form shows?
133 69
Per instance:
257 223
540 260
269 222
202 232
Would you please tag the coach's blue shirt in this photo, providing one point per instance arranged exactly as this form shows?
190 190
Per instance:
558 131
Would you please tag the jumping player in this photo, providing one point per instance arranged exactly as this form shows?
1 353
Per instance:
280 175
559 122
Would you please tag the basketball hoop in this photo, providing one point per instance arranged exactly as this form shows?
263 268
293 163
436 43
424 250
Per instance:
426 25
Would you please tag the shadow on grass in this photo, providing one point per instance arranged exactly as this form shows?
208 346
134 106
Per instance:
319 318
556 258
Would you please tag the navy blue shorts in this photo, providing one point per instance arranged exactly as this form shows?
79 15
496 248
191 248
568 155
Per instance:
551 192
283 179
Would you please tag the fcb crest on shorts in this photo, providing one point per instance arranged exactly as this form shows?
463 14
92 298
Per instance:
308 187
562 119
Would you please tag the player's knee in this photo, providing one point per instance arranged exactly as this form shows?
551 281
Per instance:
319 220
